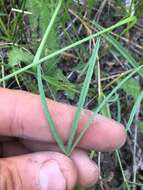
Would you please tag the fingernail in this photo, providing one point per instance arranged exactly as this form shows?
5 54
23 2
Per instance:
51 177
43 177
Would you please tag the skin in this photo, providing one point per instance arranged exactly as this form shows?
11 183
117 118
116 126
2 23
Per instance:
32 160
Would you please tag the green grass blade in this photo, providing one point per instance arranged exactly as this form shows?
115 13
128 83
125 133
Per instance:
118 108
101 106
134 110
108 114
2 25
47 113
120 23
122 50
105 109
54 130
122 170
58 52
83 94
44 39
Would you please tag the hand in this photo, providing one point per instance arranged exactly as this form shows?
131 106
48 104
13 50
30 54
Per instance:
21 116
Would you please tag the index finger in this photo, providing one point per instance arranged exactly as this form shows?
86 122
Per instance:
22 116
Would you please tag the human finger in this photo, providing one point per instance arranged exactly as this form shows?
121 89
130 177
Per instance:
38 171
87 169
22 116
79 157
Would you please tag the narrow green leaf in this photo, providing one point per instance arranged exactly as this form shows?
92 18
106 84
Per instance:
122 50
122 170
118 108
105 110
134 110
120 23
83 94
44 39
42 11
125 53
53 128
54 131
101 106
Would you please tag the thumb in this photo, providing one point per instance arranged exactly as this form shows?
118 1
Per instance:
39 171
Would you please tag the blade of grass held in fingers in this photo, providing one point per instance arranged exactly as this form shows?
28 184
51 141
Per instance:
91 119
47 113
54 131
58 52
134 110
83 94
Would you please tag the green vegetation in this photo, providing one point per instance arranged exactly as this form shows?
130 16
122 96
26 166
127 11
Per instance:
70 49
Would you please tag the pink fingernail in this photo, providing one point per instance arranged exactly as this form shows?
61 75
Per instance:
51 177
